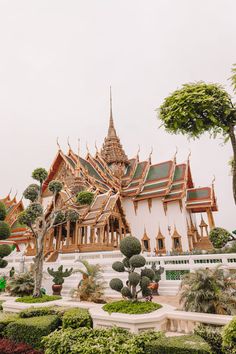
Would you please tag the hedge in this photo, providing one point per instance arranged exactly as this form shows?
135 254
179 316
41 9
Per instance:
186 344
33 300
43 311
9 347
75 318
125 306
31 330
5 320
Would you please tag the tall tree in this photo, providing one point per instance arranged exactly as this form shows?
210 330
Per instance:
197 108
41 220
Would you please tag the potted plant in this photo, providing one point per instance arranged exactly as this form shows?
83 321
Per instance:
58 278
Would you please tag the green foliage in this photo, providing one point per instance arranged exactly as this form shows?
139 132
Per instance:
91 288
219 237
72 215
75 318
5 319
3 263
116 284
26 218
32 192
43 311
5 230
98 341
59 275
138 307
209 291
5 250
60 217
197 108
21 284
85 198
31 330
40 174
229 337
55 187
3 211
187 344
129 246
212 335
137 261
34 300
134 278
35 209
118 266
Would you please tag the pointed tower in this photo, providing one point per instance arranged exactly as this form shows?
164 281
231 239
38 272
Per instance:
112 151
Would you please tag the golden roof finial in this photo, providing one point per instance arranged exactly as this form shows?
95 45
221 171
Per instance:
213 181
176 152
87 148
96 147
138 151
68 143
78 160
150 155
8 196
58 145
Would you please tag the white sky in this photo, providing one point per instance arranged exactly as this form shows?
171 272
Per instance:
58 58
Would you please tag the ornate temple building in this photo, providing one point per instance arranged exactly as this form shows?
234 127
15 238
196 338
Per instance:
156 202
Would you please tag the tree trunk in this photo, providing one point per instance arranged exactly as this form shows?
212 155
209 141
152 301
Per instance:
38 271
233 142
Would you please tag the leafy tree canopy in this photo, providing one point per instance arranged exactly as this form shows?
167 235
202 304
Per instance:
197 108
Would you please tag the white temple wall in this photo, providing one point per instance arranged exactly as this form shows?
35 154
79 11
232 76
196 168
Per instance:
155 218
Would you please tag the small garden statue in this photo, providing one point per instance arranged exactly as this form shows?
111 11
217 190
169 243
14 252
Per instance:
137 283
58 278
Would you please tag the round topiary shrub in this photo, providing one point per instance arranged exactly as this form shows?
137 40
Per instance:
3 263
126 292
3 211
137 261
85 198
130 246
125 261
116 284
55 187
118 266
148 273
145 281
31 192
134 278
59 217
5 230
39 174
5 250
72 215
219 237
35 209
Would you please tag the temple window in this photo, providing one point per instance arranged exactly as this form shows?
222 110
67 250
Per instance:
176 240
146 242
160 242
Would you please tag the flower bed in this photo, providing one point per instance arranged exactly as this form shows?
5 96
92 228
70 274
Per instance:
130 307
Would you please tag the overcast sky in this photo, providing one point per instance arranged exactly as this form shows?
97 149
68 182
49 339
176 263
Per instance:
58 59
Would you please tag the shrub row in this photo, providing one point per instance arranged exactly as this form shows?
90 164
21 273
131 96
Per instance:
32 300
124 306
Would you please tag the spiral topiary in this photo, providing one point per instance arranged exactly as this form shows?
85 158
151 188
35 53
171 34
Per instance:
116 284
131 248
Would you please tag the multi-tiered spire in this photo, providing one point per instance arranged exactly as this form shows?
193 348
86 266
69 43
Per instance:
112 151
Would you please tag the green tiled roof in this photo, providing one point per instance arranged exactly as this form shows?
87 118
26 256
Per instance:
159 171
139 170
179 172
71 162
201 193
176 187
90 169
155 185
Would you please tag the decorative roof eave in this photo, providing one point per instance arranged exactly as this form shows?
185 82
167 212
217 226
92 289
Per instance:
175 233
159 234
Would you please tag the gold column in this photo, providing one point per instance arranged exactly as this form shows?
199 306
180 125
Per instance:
210 217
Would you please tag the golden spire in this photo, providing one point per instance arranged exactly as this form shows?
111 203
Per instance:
112 150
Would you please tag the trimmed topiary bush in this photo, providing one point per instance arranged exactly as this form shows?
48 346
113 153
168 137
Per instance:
5 319
75 318
131 248
43 311
31 330
3 211
5 230
219 237
5 250
135 308
85 198
31 192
